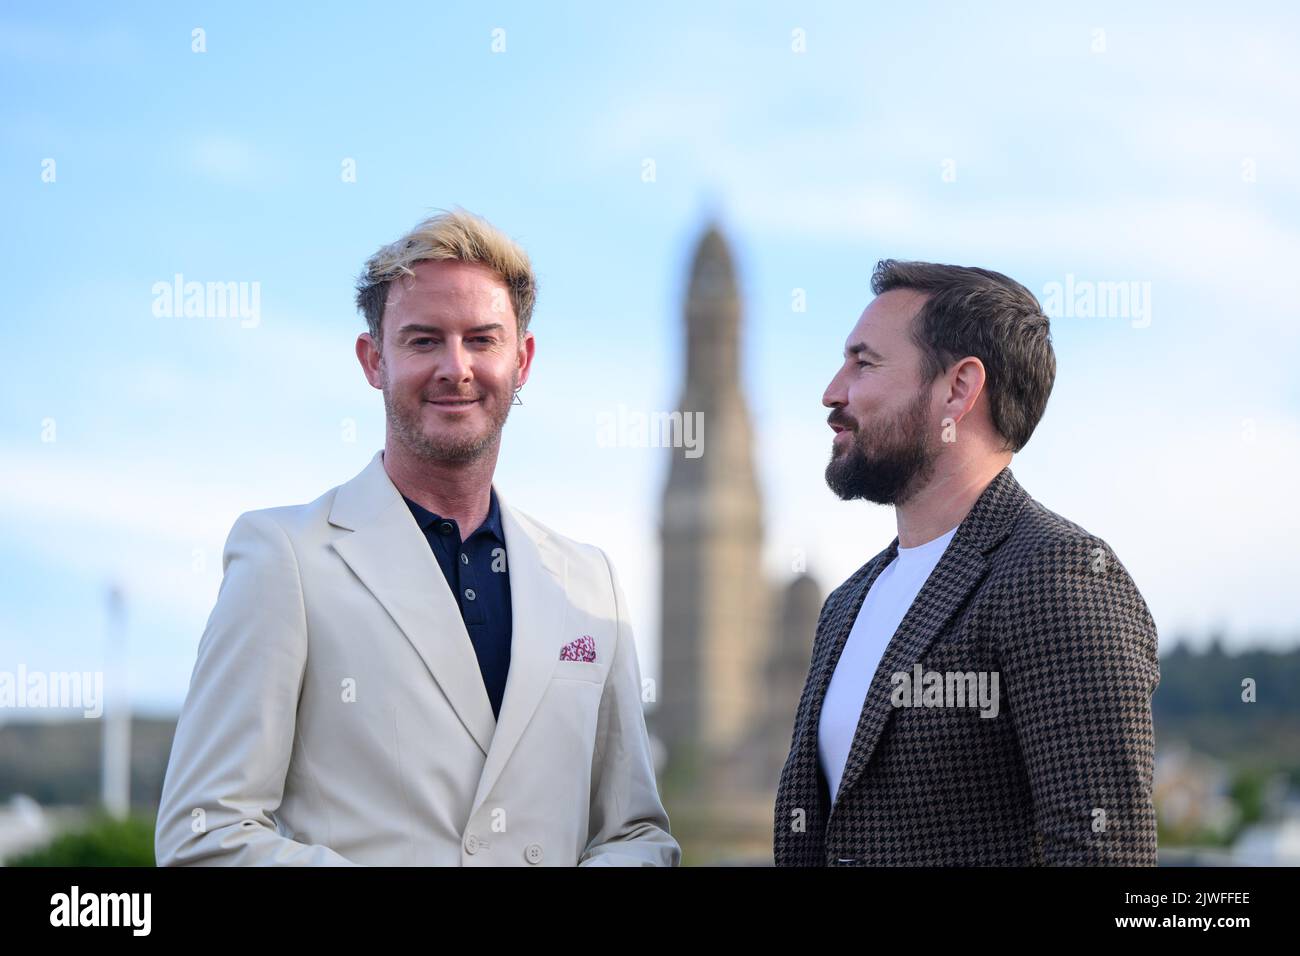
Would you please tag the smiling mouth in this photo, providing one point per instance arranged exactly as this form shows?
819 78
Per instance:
453 402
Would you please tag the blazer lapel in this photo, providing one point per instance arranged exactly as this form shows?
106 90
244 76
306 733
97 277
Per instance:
955 576
824 665
538 582
391 556
962 567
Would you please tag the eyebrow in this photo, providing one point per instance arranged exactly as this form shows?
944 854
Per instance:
864 348
418 327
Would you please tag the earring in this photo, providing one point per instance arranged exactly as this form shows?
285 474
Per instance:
517 401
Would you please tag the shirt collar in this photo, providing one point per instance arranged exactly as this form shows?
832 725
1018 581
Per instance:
491 524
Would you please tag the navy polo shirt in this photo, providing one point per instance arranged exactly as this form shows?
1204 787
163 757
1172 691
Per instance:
478 576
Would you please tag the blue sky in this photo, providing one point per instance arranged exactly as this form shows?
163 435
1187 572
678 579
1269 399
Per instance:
1082 140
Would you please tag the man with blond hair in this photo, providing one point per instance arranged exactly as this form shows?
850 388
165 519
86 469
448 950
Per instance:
407 670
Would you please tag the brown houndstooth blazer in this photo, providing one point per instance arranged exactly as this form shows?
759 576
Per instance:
1062 775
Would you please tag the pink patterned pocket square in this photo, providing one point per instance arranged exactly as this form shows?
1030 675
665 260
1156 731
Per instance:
579 649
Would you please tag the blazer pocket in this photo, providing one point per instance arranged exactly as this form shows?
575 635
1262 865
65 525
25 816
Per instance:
579 670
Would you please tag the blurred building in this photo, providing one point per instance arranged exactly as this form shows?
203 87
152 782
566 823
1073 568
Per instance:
735 645
24 826
1191 794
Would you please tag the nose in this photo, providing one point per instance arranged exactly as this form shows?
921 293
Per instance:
454 365
834 396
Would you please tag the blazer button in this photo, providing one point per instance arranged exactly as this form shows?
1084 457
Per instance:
471 844
533 854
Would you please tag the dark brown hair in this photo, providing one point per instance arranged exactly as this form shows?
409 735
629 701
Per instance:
981 313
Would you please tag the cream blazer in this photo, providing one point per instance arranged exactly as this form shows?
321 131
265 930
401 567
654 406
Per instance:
336 714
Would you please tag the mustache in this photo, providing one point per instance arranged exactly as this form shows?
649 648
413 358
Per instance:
837 418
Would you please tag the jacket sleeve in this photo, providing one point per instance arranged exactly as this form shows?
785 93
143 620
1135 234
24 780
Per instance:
628 823
1078 660
225 776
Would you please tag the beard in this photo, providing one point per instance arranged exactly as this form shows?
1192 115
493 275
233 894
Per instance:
885 463
407 423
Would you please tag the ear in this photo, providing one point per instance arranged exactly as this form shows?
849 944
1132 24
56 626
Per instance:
527 348
369 357
965 381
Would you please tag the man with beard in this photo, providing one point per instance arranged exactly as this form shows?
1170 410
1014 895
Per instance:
408 670
980 691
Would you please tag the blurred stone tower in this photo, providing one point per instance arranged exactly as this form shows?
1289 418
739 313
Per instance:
714 599
731 668
786 669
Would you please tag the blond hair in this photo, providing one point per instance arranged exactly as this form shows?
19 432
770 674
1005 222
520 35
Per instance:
457 235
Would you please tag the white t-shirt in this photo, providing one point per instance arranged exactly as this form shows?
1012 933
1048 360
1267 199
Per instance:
882 611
